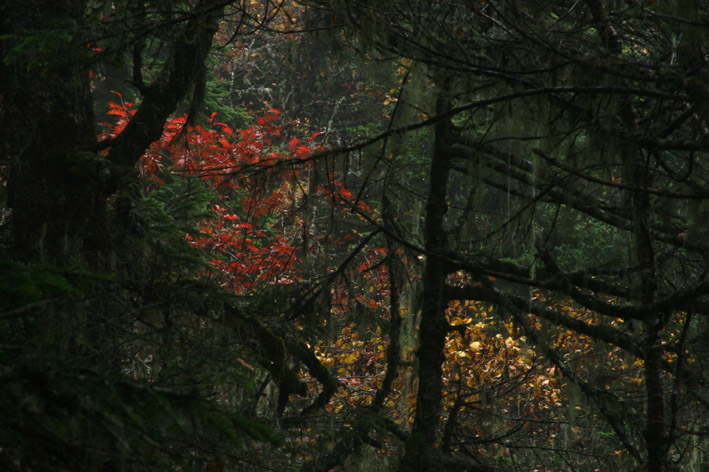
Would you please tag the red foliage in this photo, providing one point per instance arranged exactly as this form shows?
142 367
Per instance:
252 179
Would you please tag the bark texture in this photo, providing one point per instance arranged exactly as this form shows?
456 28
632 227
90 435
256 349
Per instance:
422 449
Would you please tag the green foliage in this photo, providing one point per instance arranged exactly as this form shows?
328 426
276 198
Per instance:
583 242
173 210
45 52
23 285
217 99
61 414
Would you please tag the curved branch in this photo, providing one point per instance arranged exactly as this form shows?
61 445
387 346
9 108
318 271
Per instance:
184 66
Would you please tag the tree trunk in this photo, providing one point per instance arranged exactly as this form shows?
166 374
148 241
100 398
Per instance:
54 185
639 174
421 449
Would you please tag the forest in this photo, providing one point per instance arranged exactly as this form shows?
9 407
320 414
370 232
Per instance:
354 236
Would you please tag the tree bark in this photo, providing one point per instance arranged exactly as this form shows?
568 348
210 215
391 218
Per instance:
55 188
421 448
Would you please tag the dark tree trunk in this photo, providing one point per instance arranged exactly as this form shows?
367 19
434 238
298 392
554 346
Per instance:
55 186
71 203
644 256
421 449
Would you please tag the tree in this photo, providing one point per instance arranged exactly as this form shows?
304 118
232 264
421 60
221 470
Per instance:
105 319
586 113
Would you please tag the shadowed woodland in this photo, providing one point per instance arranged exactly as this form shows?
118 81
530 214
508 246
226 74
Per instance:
349 236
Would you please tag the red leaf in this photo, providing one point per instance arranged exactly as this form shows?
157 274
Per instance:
315 135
